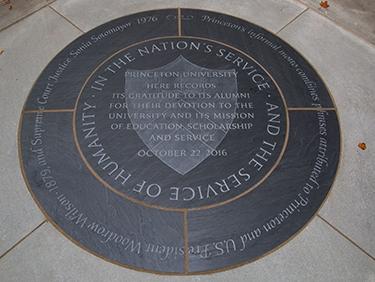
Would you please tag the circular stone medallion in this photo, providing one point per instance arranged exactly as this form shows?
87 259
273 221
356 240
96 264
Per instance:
179 141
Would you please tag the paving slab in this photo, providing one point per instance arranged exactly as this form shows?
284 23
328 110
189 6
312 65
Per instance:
28 47
357 16
347 64
12 11
271 15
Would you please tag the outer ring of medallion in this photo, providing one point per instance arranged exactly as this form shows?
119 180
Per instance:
111 188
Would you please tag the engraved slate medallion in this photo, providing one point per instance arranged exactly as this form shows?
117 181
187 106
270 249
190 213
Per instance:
179 141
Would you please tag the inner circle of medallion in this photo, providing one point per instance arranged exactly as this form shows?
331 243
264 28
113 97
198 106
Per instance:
238 103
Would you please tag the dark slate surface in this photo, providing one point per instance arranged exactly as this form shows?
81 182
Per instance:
110 220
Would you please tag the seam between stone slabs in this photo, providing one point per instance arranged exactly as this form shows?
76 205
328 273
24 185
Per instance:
65 18
26 16
293 20
346 237
22 239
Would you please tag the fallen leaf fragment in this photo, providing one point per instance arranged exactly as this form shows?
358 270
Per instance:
1 51
324 4
362 146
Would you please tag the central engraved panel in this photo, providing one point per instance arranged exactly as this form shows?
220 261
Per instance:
180 123
188 119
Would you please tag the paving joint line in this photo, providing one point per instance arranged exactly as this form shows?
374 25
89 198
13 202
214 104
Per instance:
346 237
22 239
293 20
65 18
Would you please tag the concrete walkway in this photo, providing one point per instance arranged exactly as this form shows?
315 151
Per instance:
338 245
